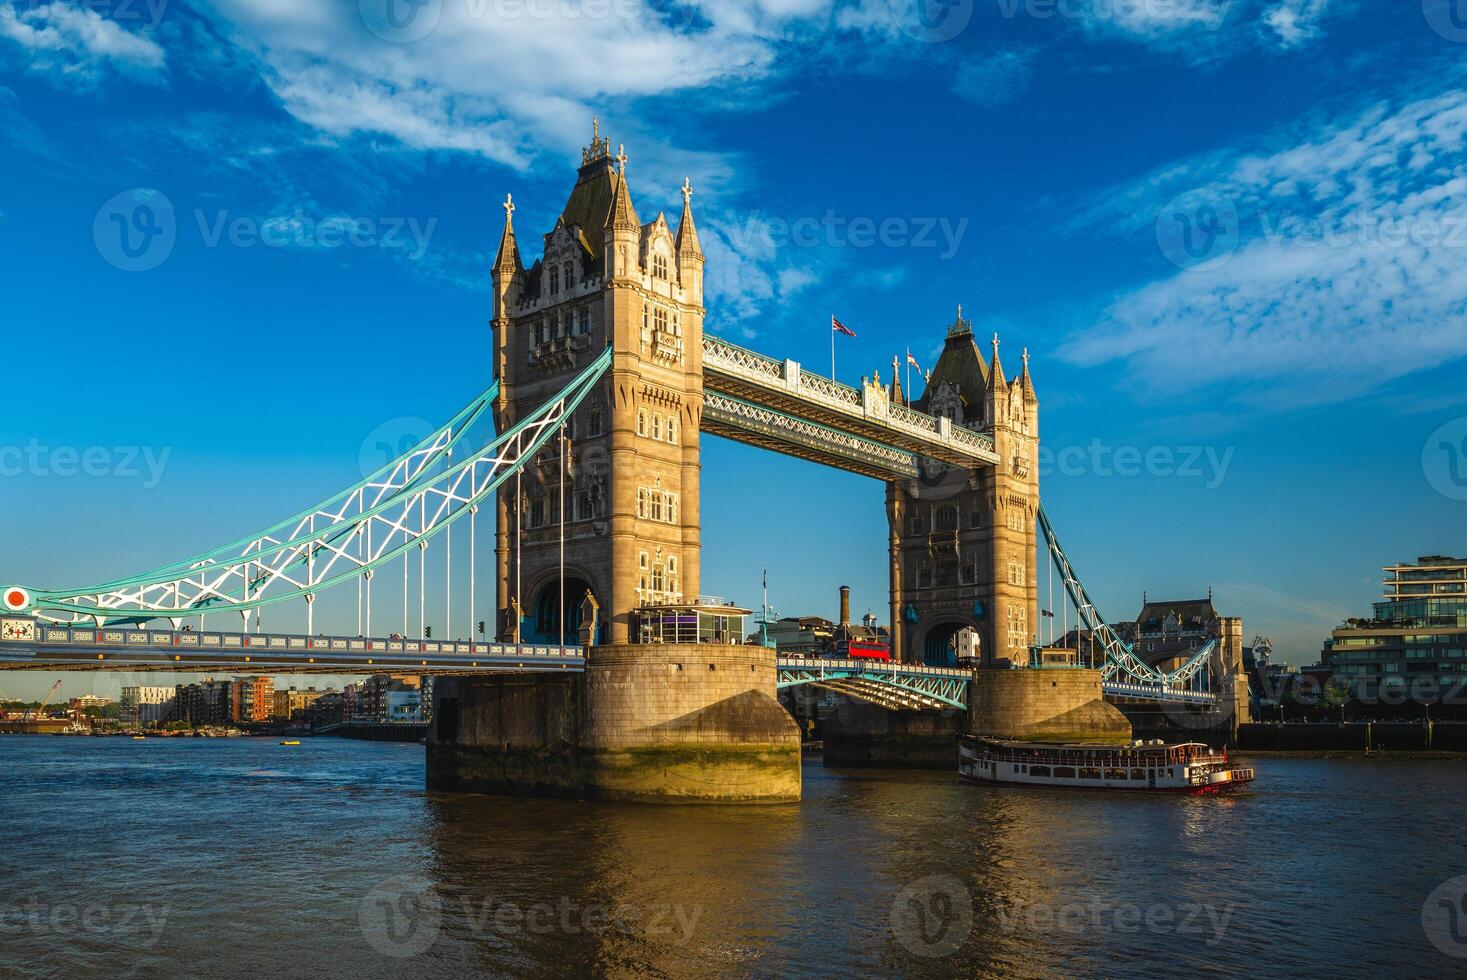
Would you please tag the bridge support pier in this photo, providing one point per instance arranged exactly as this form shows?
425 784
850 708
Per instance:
653 723
863 736
1061 705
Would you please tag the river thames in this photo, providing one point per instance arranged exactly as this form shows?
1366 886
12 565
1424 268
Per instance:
224 858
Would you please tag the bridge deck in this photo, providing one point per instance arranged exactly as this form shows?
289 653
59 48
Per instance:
30 644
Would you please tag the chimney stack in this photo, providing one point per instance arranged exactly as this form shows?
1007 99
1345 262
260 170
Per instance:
845 605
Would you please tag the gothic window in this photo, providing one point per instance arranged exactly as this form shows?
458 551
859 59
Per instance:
919 525
593 423
672 429
947 573
659 318
583 320
659 578
641 422
554 280
656 426
946 518
537 511
542 330
672 585
975 519
970 573
659 266
642 501
569 276
656 511
585 505
924 576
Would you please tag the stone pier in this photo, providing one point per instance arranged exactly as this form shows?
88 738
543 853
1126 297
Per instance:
1059 705
655 723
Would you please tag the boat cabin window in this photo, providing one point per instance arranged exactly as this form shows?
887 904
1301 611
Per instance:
1115 774
1089 773
1039 770
1138 773
1064 772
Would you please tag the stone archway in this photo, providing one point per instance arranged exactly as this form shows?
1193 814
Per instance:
543 623
937 644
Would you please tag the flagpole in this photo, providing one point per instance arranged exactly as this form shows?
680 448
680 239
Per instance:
908 391
832 347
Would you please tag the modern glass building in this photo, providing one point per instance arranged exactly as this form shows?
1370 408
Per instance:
1418 632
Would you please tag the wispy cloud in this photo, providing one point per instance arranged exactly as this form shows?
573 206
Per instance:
76 44
997 78
1318 268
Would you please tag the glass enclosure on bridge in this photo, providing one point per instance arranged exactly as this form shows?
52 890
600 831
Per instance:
709 620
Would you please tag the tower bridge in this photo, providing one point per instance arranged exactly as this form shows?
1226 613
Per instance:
604 382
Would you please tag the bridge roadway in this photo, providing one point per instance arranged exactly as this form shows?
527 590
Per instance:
27 643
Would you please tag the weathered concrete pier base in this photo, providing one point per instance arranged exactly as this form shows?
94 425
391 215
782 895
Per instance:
1035 705
861 735
656 723
1061 705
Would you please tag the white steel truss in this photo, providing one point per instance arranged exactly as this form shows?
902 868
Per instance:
397 509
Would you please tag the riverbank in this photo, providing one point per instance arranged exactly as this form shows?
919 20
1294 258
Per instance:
1417 755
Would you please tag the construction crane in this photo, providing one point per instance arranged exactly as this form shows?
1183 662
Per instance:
41 711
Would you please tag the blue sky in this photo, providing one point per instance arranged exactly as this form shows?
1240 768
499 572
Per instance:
1230 235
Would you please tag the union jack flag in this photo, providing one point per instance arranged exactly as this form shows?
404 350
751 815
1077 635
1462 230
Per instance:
913 361
839 327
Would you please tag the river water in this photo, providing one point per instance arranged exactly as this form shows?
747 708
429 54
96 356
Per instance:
226 858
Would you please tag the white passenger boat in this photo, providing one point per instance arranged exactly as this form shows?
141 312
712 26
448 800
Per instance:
1154 766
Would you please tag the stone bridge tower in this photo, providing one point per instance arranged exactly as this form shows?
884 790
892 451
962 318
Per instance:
962 543
631 485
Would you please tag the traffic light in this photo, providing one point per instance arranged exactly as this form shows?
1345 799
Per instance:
427 632
481 627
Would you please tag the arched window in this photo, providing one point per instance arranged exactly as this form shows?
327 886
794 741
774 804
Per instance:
672 429
659 266
641 422
554 280
946 518
656 426
569 275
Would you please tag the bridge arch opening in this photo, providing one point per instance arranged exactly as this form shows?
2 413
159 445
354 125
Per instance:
544 624
938 648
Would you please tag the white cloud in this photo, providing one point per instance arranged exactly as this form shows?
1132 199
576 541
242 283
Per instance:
997 78
78 42
1347 271
496 78
1295 21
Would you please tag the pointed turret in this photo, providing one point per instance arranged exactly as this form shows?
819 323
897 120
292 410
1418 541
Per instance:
995 369
508 259
896 381
622 215
687 232
689 251
1027 381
